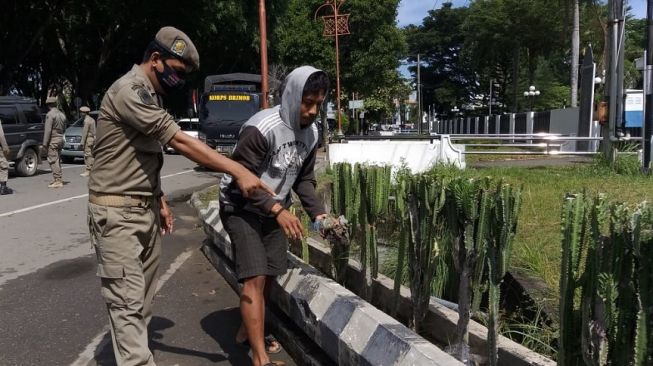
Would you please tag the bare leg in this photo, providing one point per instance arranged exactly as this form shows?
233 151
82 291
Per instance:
241 335
252 310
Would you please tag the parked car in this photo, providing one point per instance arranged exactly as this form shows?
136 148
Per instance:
189 126
72 147
23 128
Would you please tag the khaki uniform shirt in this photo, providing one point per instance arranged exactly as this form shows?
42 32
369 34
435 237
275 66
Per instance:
3 141
55 125
88 132
131 129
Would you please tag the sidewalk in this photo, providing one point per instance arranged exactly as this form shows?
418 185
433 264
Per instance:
196 313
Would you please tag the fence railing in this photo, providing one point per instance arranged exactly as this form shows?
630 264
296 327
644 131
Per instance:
523 144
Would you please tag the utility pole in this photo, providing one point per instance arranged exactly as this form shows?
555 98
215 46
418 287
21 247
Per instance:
615 76
489 103
262 23
419 95
648 105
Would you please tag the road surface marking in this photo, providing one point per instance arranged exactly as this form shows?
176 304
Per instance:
26 209
98 343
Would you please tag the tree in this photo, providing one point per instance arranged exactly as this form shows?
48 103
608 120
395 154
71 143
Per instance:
502 37
447 75
82 46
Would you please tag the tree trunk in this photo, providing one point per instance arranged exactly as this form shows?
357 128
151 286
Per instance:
575 53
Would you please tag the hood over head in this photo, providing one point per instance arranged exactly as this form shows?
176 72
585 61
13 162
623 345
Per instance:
291 99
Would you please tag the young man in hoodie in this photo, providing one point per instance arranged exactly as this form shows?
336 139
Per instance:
279 145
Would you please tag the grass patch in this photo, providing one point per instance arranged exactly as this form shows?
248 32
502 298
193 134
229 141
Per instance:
209 195
536 250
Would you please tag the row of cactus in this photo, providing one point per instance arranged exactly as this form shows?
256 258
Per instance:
481 220
360 193
605 283
473 222
460 229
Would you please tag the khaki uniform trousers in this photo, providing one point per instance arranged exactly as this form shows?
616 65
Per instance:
127 242
88 154
54 157
4 167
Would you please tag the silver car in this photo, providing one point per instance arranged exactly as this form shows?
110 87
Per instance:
189 126
72 147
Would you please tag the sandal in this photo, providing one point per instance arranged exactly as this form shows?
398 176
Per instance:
270 342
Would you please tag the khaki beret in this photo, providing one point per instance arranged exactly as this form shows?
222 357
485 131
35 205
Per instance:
51 100
85 109
178 45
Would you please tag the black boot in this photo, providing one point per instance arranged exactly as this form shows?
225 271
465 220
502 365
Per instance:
4 189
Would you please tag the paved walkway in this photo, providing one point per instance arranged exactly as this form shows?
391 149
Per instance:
196 313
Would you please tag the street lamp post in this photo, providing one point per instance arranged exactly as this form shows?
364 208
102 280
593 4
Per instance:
264 54
455 112
334 26
531 93
491 101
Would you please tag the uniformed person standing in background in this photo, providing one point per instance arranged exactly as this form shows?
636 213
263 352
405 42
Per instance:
55 125
127 211
88 139
4 164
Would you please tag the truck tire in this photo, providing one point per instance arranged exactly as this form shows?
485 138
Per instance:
28 164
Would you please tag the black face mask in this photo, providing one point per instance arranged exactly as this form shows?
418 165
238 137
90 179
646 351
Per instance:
170 80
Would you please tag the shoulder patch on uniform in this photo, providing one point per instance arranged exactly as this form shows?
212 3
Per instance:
145 96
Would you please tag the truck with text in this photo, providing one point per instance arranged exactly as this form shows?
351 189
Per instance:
227 102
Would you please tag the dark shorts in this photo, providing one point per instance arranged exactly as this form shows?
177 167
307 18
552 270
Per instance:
259 245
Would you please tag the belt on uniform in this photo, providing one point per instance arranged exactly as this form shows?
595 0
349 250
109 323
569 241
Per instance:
117 200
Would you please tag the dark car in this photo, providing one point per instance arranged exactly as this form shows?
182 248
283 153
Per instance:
23 127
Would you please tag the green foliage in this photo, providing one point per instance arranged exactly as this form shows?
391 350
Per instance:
87 45
374 47
627 164
447 76
514 43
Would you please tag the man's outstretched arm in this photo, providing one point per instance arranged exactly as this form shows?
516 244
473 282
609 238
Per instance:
200 153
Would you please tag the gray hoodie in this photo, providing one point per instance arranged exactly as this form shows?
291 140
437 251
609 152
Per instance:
273 146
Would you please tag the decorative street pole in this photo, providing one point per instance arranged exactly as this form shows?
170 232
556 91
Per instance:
264 53
334 26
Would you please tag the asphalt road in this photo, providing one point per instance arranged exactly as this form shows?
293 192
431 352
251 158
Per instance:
51 312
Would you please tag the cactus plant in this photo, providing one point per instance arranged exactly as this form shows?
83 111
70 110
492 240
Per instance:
503 225
573 220
342 192
422 200
643 240
615 304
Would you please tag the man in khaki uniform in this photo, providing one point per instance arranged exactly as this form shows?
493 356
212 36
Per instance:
88 138
55 125
127 211
4 164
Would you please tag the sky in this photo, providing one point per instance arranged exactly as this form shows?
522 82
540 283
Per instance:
413 11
